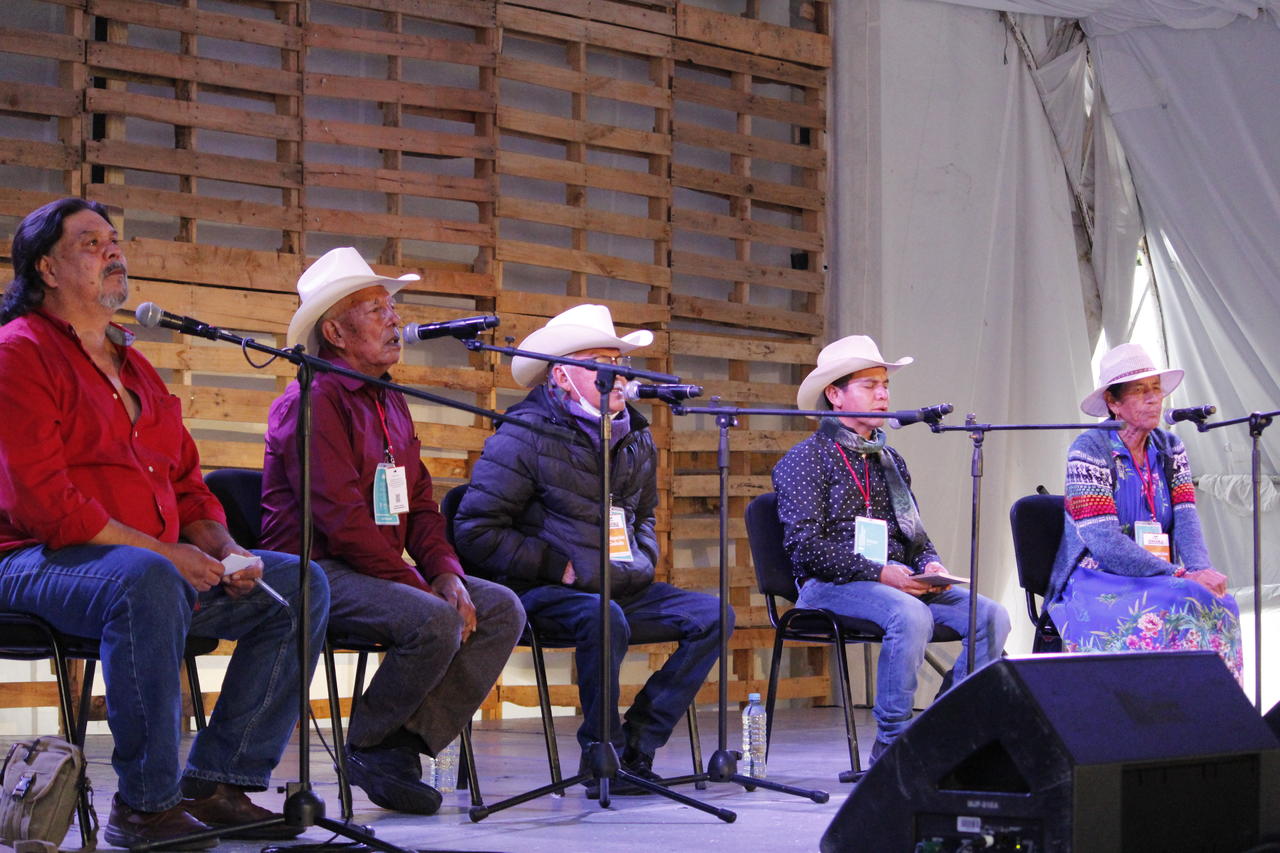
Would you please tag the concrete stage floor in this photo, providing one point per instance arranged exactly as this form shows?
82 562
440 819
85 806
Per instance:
808 752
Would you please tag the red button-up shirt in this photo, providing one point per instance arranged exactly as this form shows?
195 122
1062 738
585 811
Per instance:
347 445
70 458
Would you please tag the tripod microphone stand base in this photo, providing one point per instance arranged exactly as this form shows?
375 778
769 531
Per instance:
605 767
723 767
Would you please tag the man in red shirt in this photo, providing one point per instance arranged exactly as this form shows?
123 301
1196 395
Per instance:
107 531
449 634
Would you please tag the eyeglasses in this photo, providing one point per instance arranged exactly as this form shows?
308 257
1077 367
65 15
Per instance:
615 360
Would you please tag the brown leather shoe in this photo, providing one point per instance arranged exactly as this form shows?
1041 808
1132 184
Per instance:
229 807
128 827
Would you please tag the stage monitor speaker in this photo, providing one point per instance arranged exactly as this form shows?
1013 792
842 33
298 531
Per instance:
1096 753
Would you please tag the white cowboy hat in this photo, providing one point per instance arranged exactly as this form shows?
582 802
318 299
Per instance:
837 359
1126 363
336 274
581 327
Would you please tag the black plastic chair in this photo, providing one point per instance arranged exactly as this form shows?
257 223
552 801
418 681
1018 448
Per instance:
537 641
777 581
1037 521
25 636
240 492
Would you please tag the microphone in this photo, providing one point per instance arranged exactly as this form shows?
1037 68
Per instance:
151 315
636 390
929 414
463 329
1196 414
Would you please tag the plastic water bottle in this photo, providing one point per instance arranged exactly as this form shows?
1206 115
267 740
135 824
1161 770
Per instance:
755 727
441 772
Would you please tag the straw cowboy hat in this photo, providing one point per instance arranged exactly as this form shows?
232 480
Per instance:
581 327
840 358
336 274
1126 363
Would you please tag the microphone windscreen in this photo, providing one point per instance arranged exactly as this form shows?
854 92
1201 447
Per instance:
148 314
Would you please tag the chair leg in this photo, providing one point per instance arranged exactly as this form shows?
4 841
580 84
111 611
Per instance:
695 744
86 696
544 703
868 683
335 720
197 698
70 726
773 692
846 702
467 777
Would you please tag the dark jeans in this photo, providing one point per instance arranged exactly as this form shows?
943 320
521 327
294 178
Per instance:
567 614
429 683
141 608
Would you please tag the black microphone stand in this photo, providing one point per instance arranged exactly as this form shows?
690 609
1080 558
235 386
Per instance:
1257 421
723 766
977 433
303 806
602 758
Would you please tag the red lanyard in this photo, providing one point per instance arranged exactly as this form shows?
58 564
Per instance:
1148 482
866 474
391 457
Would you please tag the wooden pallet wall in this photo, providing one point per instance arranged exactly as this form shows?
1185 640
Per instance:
662 157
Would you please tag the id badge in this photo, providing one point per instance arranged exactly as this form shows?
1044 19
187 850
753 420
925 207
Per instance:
871 539
382 511
1158 544
619 545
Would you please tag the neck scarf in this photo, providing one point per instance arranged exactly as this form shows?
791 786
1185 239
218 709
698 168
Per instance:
904 503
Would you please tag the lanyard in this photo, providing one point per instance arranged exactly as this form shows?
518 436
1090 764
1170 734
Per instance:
382 417
866 474
1148 478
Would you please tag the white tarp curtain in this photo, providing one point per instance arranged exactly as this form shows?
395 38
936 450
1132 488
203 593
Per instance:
1193 88
978 273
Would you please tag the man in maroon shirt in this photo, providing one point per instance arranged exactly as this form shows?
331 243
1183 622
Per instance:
107 531
449 635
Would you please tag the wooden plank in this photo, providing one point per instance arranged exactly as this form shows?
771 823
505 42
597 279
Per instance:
449 282
46 45
401 181
591 263
648 20
750 230
326 85
38 155
421 48
367 224
588 133
761 68
175 161
405 139
718 183
151 64
195 22
722 97
220 265
465 12
745 441
223 404
514 19
242 310
21 202
587 219
726 269
750 393
193 114
230 454
248 213
578 82
537 307
755 147
727 313
34 99
580 174
753 348
696 23
708 485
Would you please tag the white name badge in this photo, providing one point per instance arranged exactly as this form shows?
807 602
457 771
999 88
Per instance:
619 544
871 539
390 494
1158 544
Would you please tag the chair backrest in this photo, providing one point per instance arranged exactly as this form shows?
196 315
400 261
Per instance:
449 508
240 492
772 564
1037 529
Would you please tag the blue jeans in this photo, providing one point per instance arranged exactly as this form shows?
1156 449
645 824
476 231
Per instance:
565 613
908 624
141 608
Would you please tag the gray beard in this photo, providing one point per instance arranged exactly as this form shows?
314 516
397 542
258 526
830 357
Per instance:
114 301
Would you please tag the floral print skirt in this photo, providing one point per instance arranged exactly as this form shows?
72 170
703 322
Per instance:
1101 612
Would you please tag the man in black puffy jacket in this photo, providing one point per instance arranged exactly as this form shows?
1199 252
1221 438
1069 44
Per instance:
531 520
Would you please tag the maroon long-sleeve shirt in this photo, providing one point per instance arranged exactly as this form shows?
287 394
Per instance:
348 443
